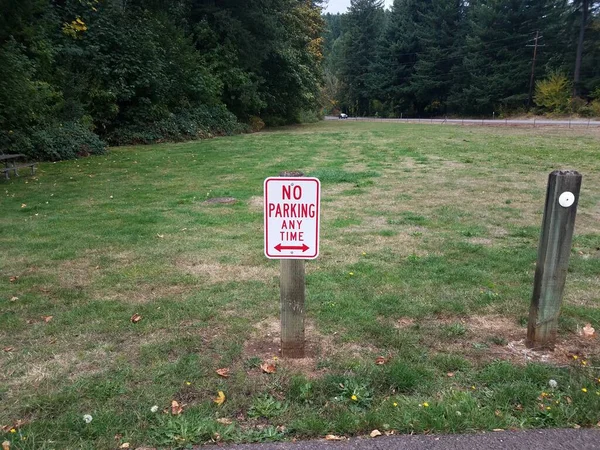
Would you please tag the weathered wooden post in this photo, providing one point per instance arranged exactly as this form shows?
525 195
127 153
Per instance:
292 204
554 248
292 292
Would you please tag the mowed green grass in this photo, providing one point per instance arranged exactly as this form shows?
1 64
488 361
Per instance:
428 249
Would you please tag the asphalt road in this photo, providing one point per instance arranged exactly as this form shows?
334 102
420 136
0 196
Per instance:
579 123
568 439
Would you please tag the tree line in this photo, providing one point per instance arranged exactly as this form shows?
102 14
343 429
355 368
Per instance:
463 57
78 74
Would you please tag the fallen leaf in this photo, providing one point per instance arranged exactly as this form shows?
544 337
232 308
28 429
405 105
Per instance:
160 236
577 427
47 318
18 424
14 299
498 429
497 413
6 445
225 421
125 445
224 372
268 368
8 349
136 318
220 399
375 433
13 278
333 437
588 331
519 407
176 409
23 205
450 374
381 360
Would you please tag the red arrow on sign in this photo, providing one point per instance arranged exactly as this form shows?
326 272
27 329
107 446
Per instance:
280 247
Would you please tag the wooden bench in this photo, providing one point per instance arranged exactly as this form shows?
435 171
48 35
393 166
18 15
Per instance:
15 169
11 165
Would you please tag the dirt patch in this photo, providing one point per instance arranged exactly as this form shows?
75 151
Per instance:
215 272
494 337
265 344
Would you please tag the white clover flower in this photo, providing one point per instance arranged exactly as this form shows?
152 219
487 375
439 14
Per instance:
154 408
87 418
553 384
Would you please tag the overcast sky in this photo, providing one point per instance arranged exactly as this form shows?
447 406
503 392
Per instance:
336 6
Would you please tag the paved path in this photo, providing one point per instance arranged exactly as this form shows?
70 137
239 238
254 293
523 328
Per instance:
569 439
574 123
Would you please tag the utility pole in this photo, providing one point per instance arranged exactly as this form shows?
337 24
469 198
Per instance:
535 47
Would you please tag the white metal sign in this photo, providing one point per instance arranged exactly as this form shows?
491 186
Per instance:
292 207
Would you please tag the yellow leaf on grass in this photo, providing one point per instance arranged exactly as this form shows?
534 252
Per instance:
220 399
375 433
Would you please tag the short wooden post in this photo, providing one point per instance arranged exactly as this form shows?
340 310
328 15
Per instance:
292 295
554 248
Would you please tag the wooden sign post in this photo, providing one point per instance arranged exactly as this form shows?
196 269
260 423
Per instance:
292 204
554 249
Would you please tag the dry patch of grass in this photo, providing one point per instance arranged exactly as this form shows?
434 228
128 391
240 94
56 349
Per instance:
213 272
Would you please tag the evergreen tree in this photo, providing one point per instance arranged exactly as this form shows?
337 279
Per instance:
496 63
364 22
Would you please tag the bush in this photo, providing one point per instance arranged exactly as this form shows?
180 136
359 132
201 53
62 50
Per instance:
554 93
256 124
66 141
200 122
308 116
596 107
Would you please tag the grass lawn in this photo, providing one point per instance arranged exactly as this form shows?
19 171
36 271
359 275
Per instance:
428 245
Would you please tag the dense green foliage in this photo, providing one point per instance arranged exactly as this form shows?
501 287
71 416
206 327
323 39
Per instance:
427 57
143 71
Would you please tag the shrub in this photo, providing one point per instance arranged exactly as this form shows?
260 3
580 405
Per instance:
66 141
578 105
596 107
554 93
197 123
256 124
